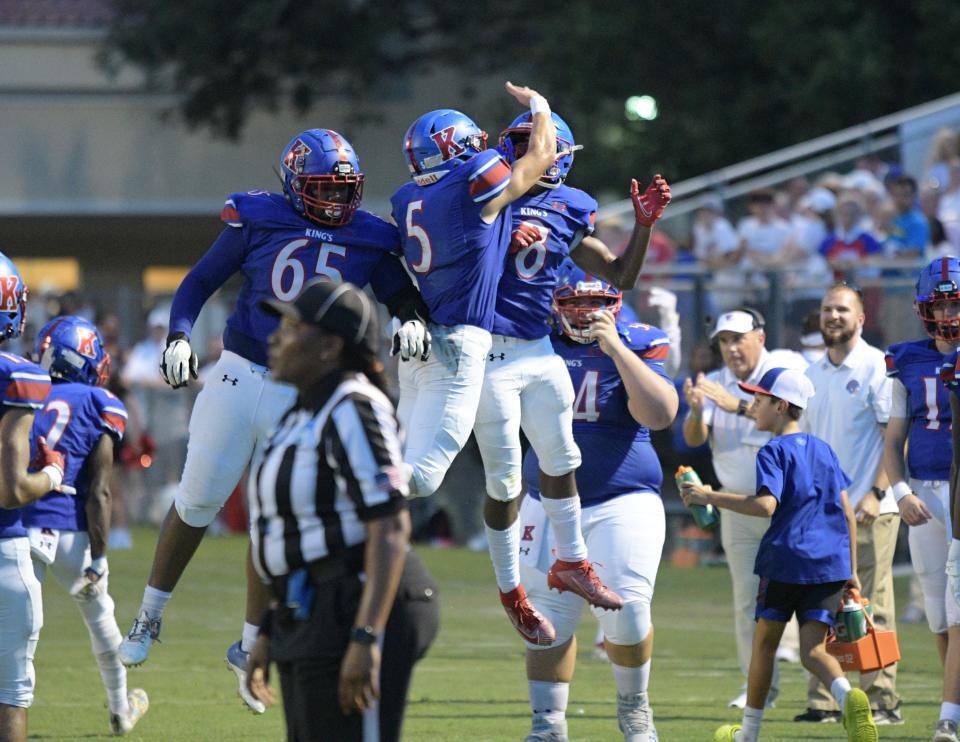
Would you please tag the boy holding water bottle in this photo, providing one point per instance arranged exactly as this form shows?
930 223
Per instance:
806 559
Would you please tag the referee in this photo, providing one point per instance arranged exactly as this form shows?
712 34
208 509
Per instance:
329 525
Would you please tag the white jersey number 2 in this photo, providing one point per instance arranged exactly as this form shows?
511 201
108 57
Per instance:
287 268
585 404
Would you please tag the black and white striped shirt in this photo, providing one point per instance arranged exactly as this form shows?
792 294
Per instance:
333 463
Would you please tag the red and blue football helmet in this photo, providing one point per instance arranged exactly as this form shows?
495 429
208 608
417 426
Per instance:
577 297
440 140
321 177
71 349
513 140
939 283
13 300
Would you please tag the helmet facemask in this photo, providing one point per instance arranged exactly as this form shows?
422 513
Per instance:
513 143
947 328
330 200
574 307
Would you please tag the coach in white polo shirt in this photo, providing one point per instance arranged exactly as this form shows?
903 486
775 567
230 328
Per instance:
849 411
718 410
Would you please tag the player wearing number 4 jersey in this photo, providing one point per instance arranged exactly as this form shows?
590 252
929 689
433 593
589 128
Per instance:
68 534
527 385
277 242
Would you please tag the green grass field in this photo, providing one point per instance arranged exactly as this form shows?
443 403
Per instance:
470 687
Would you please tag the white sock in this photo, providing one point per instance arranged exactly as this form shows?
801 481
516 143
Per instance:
950 711
631 680
839 688
154 601
114 676
504 553
750 731
549 699
249 636
564 518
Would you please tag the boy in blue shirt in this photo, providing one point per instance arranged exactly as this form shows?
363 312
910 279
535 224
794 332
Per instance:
807 557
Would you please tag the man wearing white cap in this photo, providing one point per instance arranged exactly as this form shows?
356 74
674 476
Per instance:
718 414
850 411
808 556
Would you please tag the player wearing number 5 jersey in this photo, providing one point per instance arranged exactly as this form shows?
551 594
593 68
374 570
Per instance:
277 242
68 534
920 419
526 384
455 228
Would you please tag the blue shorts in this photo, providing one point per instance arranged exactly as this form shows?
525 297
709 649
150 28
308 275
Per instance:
778 601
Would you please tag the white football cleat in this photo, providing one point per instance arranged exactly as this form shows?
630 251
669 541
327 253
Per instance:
544 730
237 661
135 647
635 718
139 703
740 702
946 731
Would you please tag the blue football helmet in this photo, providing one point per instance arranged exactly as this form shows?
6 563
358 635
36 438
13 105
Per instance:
938 284
13 300
577 297
71 349
513 140
321 177
439 141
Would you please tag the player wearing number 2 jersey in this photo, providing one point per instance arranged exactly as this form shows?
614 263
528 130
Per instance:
526 384
920 418
278 243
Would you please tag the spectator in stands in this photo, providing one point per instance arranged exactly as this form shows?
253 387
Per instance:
948 210
763 233
848 243
812 347
715 244
944 148
939 244
910 232
808 272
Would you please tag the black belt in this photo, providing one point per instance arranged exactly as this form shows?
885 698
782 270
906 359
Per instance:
347 562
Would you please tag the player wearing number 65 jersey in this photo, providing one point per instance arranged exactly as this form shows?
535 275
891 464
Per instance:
622 392
68 534
277 242
526 385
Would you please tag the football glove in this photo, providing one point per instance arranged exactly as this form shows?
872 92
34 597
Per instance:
52 463
178 362
412 340
953 568
649 207
523 237
92 583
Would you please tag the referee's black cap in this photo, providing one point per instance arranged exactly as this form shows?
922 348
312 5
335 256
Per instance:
337 307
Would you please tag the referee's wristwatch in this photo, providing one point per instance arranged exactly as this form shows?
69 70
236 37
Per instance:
364 635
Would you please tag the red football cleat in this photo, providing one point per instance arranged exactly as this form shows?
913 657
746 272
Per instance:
579 578
532 625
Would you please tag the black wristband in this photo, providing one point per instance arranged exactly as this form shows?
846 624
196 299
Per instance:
742 407
364 635
878 493
177 336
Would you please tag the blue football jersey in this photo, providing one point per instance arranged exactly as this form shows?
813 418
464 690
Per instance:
617 455
74 417
277 251
525 294
456 257
25 385
917 365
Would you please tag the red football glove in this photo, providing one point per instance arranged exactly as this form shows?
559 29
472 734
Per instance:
52 462
649 207
523 236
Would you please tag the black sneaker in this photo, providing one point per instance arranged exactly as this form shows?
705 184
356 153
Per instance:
888 717
817 716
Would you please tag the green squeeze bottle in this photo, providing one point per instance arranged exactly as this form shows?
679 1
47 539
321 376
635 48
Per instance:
705 516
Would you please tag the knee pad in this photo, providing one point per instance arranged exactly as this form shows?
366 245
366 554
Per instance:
504 487
196 516
98 615
628 626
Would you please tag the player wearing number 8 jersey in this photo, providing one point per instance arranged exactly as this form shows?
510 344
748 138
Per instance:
278 243
527 385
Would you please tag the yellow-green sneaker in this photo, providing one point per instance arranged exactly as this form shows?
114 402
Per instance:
857 717
726 733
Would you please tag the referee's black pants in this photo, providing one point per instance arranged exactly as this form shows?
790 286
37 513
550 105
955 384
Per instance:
309 654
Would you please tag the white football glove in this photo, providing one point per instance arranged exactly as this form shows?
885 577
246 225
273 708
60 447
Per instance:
178 362
412 340
665 301
93 582
953 568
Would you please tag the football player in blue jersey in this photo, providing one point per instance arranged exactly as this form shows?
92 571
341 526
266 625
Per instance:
920 419
68 534
526 384
622 393
23 388
277 241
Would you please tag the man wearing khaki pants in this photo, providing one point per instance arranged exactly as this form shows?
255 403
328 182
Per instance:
718 413
849 411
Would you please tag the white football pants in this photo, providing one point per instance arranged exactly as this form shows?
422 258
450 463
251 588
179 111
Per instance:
21 618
